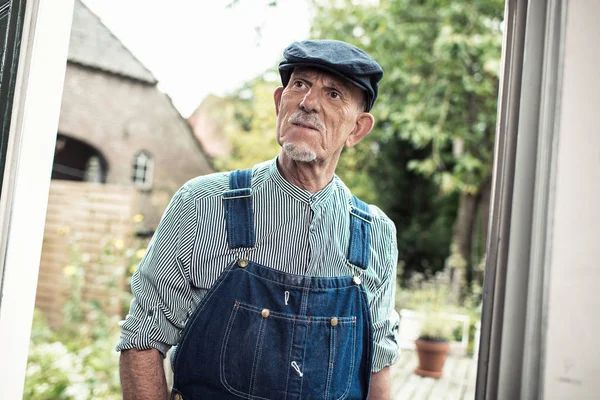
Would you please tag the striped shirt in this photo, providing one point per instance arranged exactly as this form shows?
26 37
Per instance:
297 232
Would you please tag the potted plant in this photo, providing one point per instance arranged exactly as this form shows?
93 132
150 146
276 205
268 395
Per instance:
433 345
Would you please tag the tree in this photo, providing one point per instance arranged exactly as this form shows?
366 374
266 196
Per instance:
438 95
249 123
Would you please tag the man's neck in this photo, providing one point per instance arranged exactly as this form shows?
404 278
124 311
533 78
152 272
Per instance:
311 177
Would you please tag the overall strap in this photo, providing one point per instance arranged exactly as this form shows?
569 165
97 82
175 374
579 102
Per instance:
360 233
239 213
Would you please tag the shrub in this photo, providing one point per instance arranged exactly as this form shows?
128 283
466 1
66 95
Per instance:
78 360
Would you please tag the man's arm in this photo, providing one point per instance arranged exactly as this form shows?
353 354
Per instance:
142 375
385 318
381 385
161 287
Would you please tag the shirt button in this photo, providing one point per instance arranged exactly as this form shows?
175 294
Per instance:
265 313
356 280
334 321
242 263
177 396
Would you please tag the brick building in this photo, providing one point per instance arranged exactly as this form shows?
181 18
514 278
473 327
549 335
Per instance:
208 123
117 127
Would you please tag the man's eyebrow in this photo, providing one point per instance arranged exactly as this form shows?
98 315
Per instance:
330 81
338 85
303 75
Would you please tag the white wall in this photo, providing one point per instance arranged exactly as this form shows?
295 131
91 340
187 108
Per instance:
572 364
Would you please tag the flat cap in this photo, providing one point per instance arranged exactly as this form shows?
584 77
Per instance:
341 58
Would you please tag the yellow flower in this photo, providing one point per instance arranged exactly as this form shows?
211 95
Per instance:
119 244
133 268
140 253
138 218
69 270
63 230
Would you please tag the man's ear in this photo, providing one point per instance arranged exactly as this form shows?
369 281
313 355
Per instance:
364 125
277 98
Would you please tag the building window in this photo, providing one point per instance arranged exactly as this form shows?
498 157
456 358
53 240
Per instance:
143 169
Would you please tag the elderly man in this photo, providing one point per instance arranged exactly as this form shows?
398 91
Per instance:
274 282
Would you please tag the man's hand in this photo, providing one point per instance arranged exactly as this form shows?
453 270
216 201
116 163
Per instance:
142 375
381 383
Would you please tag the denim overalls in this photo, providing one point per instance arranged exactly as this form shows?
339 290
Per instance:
264 334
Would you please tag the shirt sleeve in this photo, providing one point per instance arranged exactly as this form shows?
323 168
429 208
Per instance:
161 287
385 318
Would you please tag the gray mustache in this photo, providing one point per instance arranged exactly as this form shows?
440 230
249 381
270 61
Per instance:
300 117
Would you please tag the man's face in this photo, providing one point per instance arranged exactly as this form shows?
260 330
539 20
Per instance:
317 113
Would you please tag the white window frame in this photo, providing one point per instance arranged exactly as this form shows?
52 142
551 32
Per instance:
143 170
34 122
515 304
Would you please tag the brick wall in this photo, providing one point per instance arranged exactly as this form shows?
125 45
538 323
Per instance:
81 221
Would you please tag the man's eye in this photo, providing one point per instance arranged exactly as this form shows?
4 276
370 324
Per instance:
299 84
335 95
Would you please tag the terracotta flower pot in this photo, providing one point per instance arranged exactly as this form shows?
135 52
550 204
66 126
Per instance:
432 355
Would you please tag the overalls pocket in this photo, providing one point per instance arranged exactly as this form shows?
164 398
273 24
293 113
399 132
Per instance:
271 355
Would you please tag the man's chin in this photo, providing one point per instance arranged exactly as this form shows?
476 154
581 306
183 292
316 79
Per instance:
299 153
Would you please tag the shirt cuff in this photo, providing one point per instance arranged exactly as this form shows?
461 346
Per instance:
140 333
385 347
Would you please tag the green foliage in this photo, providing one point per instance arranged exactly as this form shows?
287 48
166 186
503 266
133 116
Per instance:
71 367
77 360
435 328
250 125
432 297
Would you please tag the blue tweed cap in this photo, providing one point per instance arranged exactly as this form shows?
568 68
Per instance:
343 59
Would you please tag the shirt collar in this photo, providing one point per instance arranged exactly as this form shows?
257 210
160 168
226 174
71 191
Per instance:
297 192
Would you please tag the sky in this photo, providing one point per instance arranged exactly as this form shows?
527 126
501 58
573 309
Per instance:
197 47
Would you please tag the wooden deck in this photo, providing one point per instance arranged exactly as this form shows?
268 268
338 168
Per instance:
458 382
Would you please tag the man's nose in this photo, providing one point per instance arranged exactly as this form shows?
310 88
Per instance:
310 102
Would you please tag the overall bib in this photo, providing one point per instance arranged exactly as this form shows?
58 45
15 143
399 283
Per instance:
264 334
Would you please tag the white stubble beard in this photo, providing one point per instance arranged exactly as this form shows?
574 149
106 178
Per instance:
300 153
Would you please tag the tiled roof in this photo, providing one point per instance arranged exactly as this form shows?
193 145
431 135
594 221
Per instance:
94 45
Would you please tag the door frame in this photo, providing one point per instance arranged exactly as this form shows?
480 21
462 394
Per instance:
511 353
38 85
